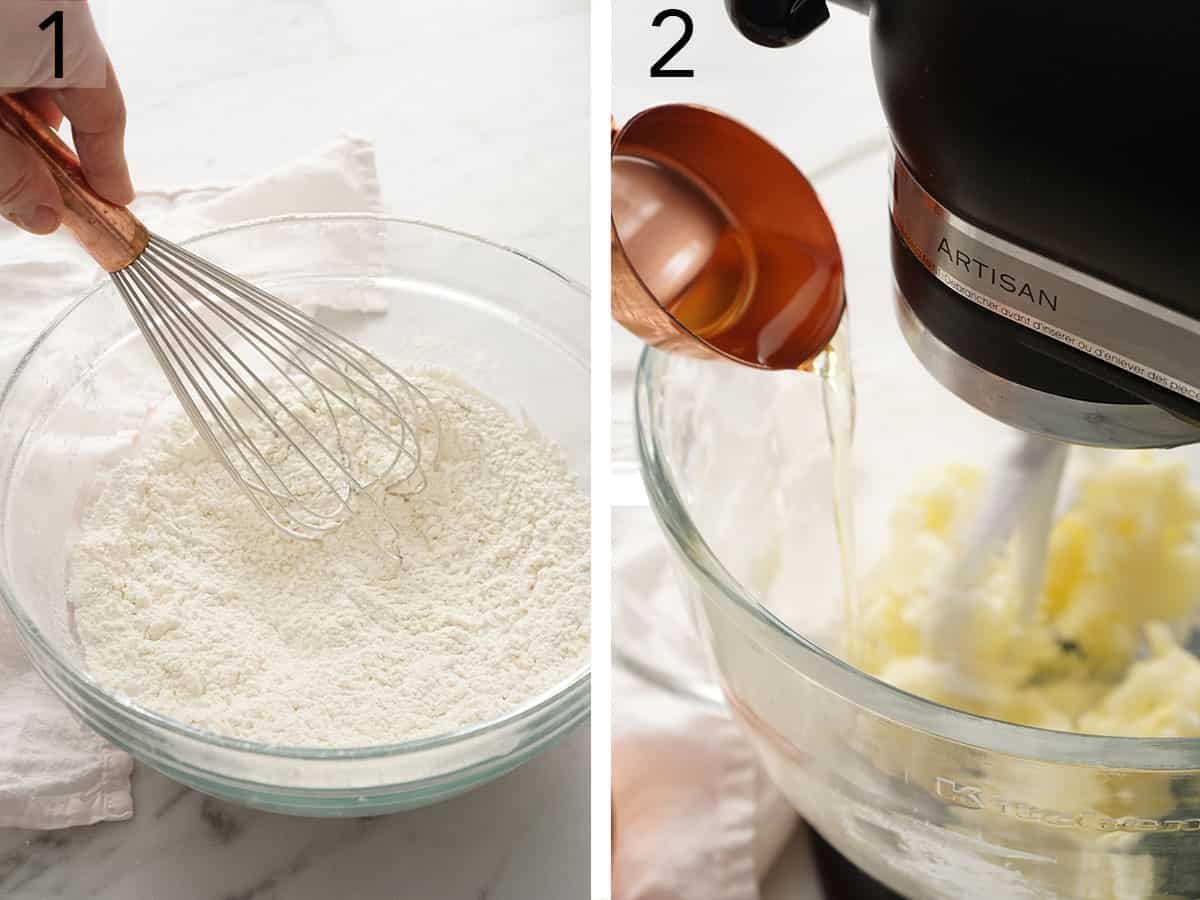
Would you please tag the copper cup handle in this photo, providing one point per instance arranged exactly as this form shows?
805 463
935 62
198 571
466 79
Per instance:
111 234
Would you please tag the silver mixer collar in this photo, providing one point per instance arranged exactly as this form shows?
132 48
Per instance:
1124 329
1117 425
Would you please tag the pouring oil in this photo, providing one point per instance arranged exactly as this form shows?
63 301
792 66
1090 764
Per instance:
761 297
833 367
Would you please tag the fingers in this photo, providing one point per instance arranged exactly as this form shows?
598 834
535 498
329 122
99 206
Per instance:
97 118
41 101
28 194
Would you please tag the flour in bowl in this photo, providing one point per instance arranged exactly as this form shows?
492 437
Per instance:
189 602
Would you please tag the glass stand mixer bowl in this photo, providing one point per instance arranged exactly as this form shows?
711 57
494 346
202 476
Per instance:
931 801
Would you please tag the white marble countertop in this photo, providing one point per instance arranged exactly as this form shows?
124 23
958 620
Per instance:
815 101
478 109
479 113
523 836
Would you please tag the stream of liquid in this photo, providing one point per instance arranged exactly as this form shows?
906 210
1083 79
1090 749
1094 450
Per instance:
755 295
834 368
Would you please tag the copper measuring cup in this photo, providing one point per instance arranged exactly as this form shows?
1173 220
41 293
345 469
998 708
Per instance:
719 245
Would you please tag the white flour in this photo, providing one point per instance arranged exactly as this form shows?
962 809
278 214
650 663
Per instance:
193 605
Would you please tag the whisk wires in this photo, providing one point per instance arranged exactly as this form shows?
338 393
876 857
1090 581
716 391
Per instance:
279 397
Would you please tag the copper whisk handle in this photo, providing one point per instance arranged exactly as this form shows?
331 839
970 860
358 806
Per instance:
111 234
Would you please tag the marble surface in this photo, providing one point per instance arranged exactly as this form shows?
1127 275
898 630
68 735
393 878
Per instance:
479 113
816 102
523 836
478 109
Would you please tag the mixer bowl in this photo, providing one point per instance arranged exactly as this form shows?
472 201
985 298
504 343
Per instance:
936 803
414 293
931 801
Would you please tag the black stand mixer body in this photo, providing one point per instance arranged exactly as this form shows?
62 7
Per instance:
1061 128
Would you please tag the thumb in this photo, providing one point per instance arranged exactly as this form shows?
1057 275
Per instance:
28 195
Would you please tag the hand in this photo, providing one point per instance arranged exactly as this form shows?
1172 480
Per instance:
88 96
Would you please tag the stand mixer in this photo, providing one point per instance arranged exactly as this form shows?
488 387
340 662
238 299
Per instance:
1044 240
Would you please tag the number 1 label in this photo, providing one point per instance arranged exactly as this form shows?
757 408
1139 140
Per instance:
55 21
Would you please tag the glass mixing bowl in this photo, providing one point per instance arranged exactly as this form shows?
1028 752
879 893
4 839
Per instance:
929 800
412 292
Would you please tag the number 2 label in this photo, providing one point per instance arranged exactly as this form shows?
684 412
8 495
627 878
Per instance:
658 70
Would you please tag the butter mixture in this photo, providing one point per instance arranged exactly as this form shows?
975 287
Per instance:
1104 651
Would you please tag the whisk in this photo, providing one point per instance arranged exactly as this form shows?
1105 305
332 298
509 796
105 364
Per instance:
276 395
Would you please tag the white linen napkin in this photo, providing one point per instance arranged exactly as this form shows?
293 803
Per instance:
696 815
54 771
